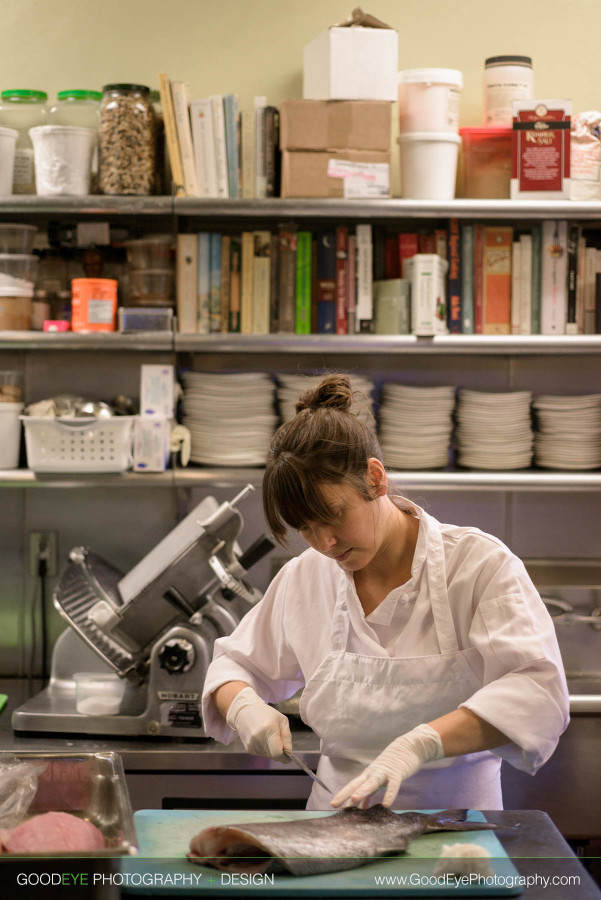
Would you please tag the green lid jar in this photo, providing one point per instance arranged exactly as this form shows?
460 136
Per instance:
22 110
77 108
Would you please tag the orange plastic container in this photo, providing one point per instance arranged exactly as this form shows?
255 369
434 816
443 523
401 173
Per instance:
93 304
487 161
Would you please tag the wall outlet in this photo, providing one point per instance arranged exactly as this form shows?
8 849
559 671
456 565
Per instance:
43 545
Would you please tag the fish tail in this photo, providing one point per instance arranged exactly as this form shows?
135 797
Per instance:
456 820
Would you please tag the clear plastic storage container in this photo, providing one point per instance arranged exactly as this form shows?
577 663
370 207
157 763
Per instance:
80 109
23 110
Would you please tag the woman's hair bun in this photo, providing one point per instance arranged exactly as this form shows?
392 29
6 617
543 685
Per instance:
334 392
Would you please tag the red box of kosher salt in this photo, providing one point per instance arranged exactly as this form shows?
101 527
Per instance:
541 149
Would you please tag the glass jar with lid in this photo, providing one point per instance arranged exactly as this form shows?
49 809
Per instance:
126 140
23 110
80 109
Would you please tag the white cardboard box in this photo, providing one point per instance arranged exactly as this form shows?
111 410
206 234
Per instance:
151 444
426 275
351 64
157 391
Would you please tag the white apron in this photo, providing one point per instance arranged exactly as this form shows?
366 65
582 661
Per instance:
357 704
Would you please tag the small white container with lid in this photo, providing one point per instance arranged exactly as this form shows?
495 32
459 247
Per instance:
63 159
8 141
506 78
429 100
429 165
23 110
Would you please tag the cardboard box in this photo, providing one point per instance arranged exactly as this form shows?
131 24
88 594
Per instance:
335 125
151 444
351 64
157 391
335 173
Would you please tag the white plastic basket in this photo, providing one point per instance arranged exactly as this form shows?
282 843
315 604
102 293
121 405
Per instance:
79 445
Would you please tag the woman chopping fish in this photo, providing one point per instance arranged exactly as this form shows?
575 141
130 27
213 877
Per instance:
424 651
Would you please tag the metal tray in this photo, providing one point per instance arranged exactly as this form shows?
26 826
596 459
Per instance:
91 786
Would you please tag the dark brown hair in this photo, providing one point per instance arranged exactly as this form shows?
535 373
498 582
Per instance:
325 443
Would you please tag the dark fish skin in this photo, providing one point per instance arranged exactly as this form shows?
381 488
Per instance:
347 839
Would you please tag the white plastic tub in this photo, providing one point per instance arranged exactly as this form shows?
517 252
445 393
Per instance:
10 434
79 445
63 159
429 165
429 100
8 141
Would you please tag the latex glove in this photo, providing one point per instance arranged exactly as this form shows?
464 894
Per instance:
263 730
399 760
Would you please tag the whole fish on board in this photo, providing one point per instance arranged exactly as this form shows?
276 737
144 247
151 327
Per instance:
347 839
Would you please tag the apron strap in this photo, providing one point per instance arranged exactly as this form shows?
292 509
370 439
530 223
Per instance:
437 588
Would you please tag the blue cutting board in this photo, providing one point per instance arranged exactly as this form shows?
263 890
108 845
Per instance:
164 837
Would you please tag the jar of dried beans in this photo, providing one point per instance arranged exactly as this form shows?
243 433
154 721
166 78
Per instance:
126 140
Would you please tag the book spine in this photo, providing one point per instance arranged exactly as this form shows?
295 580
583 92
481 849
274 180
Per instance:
187 280
203 141
246 285
351 281
326 281
525 283
272 140
225 283
574 231
441 242
273 285
392 268
287 279
426 242
247 128
231 117
260 175
341 286
455 322
536 279
175 159
407 248
516 257
179 94
496 279
467 279
314 317
215 284
598 292
554 276
303 283
478 279
220 145
580 285
204 282
235 284
589 290
261 282
364 269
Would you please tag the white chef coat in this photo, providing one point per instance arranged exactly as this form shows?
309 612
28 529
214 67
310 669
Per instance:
498 616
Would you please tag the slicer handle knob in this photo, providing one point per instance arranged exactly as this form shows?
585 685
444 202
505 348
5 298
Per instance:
261 547
176 656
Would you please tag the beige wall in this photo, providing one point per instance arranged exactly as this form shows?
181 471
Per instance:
223 46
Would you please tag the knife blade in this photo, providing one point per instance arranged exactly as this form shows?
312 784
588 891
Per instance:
307 770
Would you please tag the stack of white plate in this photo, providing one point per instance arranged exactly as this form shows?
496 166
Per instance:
290 387
416 425
568 431
231 417
494 431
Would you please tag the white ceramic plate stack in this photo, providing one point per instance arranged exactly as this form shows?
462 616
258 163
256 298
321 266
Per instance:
568 431
290 387
416 425
494 430
231 417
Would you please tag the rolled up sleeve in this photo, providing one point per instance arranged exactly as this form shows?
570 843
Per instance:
524 691
258 653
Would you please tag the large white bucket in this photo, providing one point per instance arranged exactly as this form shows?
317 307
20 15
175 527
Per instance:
429 100
428 165
10 434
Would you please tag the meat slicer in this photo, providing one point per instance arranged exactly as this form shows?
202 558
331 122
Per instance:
154 626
